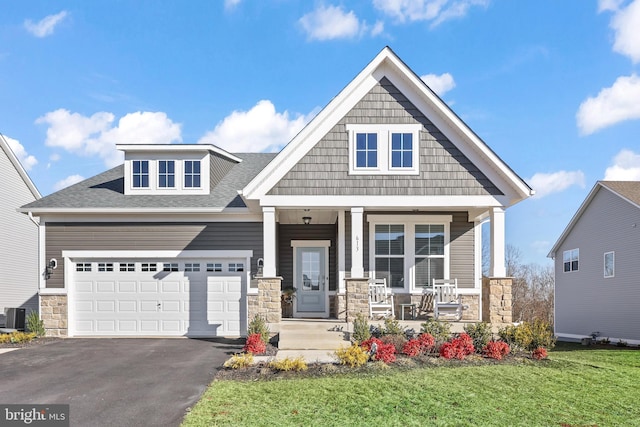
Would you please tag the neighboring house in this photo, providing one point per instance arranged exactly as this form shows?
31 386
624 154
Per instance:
386 181
19 236
597 268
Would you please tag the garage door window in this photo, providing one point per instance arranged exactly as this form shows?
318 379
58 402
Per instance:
170 267
146 266
215 267
105 266
235 267
83 266
191 267
127 266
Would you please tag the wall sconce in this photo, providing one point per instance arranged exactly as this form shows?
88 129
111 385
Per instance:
306 220
52 265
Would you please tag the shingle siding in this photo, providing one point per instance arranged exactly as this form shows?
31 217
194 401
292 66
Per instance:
146 236
444 170
585 301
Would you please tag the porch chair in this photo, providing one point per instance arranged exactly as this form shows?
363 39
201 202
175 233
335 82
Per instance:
446 300
380 299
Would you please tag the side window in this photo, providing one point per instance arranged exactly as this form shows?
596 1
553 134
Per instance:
609 265
141 173
570 260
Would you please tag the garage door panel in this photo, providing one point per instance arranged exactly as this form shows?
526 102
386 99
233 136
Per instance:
105 287
125 306
84 287
127 286
171 325
148 287
106 325
171 306
149 326
108 306
86 306
127 325
167 287
149 306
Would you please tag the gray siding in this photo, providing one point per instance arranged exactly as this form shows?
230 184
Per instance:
218 168
209 236
289 232
587 302
18 242
444 170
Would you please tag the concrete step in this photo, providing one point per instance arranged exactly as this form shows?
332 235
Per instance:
312 335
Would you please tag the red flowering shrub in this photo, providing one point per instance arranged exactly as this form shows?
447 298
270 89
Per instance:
539 353
254 344
427 342
412 348
496 349
368 343
457 347
384 352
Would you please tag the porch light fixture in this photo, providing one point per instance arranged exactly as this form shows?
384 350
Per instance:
306 219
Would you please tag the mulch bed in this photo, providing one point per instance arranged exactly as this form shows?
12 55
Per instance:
32 343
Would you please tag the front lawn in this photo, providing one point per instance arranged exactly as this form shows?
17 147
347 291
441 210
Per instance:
577 386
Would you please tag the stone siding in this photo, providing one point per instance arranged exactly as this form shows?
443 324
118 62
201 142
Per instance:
496 300
472 302
357 298
53 312
269 301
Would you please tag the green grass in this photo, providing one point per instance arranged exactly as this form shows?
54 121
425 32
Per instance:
577 386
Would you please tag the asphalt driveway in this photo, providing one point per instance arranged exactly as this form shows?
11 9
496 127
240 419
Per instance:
115 382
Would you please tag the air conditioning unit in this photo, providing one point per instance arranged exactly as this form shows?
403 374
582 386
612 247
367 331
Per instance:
14 318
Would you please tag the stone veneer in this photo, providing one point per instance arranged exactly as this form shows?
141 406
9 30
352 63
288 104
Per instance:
496 300
357 298
268 304
53 313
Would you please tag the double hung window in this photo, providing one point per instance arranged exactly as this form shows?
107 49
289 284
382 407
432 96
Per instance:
166 174
141 173
192 173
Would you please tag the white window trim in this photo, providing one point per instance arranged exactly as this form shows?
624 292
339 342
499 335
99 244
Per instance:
409 223
178 188
613 259
571 270
175 178
384 148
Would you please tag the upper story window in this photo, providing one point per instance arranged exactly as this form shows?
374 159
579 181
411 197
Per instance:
390 149
166 173
570 260
609 265
140 173
192 173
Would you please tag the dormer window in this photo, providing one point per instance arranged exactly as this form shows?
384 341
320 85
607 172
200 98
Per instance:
141 173
378 149
166 173
192 174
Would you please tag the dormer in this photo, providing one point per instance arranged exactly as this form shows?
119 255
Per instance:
173 169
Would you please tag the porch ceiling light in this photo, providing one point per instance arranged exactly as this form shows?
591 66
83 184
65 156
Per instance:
306 219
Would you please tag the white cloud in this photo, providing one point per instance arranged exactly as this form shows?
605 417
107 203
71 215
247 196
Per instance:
613 5
626 23
556 182
333 22
435 11
439 84
231 4
28 161
96 135
612 105
46 26
67 182
261 129
625 167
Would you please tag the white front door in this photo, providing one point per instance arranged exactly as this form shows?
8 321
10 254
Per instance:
311 281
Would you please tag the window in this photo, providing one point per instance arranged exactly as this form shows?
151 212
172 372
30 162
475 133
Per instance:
570 260
429 253
170 267
141 173
127 266
191 267
235 267
215 267
105 266
401 150
166 174
149 266
192 173
389 254
83 266
366 150
609 264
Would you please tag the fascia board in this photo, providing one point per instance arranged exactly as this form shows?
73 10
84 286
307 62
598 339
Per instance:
161 148
185 211
414 202
19 168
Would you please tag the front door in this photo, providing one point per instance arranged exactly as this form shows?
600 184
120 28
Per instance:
311 281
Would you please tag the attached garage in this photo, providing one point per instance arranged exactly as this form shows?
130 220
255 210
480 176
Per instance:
131 294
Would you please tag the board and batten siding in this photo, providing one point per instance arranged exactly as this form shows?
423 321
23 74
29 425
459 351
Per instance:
586 301
19 274
145 236
444 170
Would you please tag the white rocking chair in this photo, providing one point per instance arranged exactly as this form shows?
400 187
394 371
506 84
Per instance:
446 300
380 299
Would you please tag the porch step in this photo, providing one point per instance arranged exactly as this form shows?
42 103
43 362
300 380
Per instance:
312 334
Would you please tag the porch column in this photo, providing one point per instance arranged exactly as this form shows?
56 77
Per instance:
269 241
341 252
357 244
497 268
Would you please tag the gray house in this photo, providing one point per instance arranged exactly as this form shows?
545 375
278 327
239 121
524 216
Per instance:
597 273
386 181
19 236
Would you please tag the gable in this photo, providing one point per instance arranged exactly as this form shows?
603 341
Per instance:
443 169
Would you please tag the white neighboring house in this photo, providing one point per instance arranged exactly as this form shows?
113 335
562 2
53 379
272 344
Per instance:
597 273
18 236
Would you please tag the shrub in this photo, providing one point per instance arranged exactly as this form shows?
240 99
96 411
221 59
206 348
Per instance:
380 350
35 324
622 343
457 347
392 327
398 341
539 353
361 330
17 337
238 361
259 326
412 348
255 345
427 342
297 364
441 331
353 356
480 333
496 349
529 336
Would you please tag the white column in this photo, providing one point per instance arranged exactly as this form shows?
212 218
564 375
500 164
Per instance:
477 250
357 243
497 268
342 258
269 241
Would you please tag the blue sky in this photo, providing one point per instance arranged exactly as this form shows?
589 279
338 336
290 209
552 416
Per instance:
551 86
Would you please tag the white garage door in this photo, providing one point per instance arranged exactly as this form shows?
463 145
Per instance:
159 297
